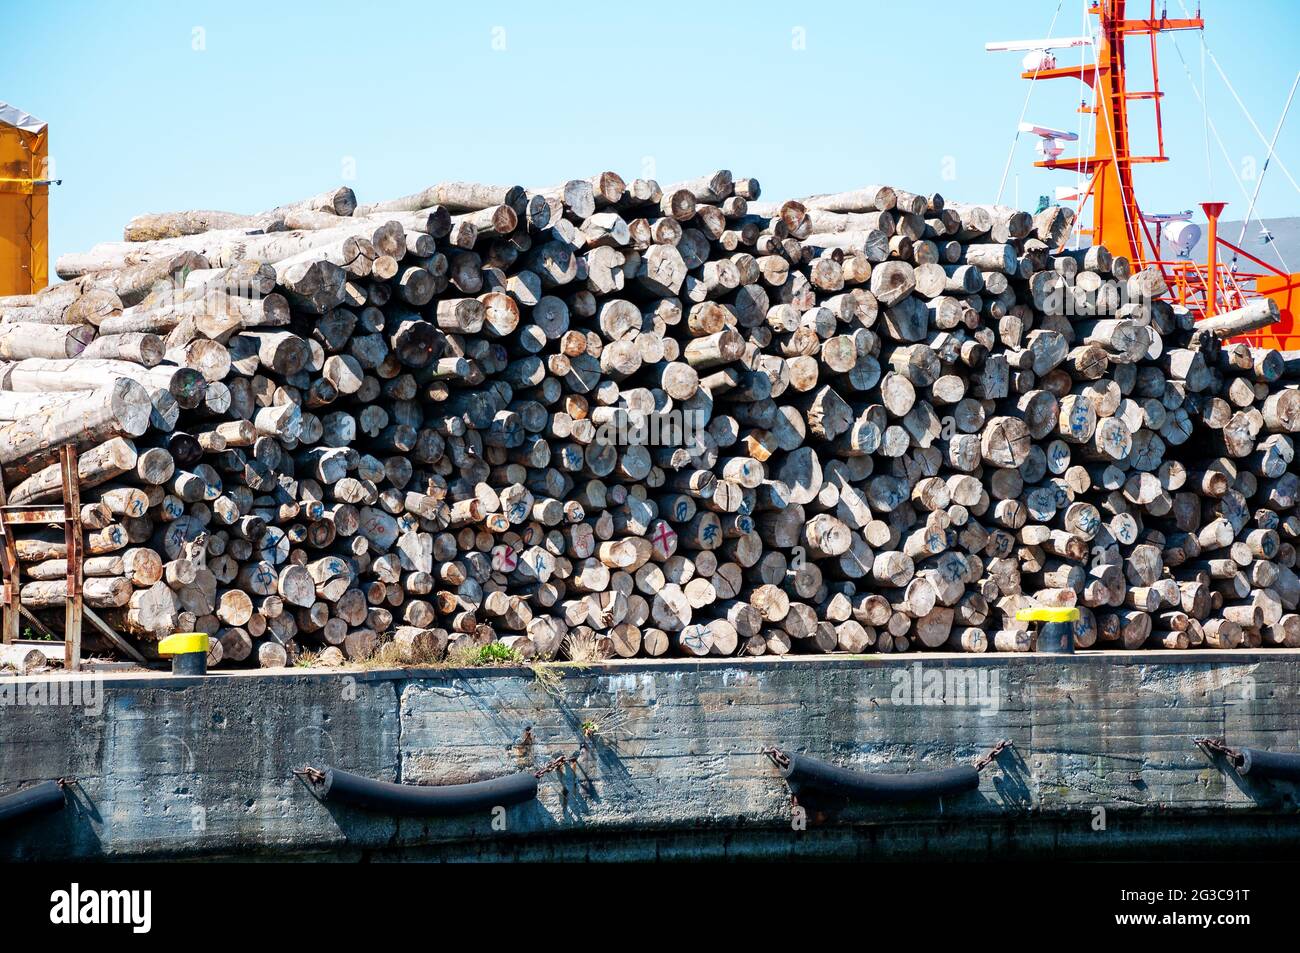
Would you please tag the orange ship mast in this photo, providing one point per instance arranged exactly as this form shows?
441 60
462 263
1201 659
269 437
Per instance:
1117 218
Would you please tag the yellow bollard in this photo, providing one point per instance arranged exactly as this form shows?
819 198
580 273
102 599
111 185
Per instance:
189 652
1057 635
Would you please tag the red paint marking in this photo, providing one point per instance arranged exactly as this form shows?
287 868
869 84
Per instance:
664 536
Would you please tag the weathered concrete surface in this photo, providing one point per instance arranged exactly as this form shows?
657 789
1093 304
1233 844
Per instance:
203 767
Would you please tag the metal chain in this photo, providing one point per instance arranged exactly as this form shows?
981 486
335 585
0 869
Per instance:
782 760
777 757
557 763
996 750
1219 746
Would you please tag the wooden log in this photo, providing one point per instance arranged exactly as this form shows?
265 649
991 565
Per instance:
1256 314
149 613
424 415
99 592
120 409
159 225
18 341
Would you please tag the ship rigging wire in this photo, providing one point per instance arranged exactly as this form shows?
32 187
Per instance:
1241 105
1086 119
1211 130
1205 119
1024 109
1224 149
1259 181
1106 108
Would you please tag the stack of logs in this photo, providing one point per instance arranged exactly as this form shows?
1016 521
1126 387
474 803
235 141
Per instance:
615 418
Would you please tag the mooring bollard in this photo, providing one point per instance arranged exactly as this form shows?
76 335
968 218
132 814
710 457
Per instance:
189 652
1057 634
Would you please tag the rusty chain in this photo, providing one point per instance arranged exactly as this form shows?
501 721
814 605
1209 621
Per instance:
782 760
1219 746
557 763
989 758
316 776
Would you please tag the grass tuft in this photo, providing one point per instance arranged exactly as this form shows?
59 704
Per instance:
548 677
306 659
581 647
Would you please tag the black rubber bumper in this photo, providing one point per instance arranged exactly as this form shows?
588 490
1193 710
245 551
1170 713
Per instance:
1269 764
43 798
425 800
865 786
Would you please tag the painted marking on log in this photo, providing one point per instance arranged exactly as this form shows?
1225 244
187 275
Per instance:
695 636
1089 521
504 558
663 537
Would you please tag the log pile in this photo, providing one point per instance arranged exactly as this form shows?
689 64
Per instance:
621 418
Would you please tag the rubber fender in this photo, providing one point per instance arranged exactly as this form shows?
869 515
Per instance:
1269 764
866 786
42 798
386 797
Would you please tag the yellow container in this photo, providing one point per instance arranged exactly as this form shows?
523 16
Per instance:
24 202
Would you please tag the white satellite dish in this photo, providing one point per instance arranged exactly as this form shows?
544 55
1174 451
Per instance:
1036 61
1183 236
1050 148
1038 55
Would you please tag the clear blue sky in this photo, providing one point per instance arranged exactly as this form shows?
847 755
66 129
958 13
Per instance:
280 99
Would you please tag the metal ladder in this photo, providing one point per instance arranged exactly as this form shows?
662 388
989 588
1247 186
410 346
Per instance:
75 611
